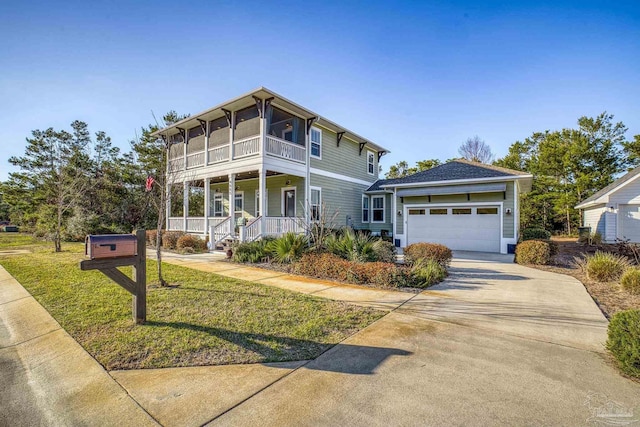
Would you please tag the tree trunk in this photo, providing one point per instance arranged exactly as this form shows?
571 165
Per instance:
57 235
161 215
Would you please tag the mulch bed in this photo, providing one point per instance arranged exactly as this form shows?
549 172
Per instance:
610 297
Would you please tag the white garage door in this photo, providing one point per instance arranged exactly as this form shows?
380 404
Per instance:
629 222
468 228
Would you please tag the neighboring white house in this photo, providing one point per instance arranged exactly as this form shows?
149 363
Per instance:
614 211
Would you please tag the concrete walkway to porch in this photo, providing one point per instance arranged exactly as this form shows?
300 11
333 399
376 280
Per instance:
380 299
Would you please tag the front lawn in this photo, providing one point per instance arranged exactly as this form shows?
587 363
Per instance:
206 320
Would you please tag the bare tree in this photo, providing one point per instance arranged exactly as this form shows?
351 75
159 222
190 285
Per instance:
322 222
476 150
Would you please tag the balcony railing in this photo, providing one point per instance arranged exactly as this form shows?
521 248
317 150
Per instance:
246 147
195 159
286 150
219 154
176 164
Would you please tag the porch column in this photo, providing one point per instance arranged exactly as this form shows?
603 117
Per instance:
307 207
185 204
207 201
262 192
232 201
232 134
263 129
206 144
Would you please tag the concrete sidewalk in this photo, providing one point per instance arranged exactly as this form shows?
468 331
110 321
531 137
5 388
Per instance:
380 299
47 378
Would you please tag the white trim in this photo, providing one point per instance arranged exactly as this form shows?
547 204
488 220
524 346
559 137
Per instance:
457 181
257 202
340 177
319 143
373 156
503 241
364 196
295 199
600 200
319 190
383 208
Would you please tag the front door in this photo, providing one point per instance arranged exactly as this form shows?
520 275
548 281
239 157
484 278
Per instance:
289 202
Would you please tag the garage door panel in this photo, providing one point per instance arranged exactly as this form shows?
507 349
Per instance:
630 222
475 232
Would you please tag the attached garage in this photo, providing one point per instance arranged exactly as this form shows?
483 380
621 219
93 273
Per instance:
460 227
629 217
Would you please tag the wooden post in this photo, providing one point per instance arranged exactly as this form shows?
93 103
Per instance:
140 276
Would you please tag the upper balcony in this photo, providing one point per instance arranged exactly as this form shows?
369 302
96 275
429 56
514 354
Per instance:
240 135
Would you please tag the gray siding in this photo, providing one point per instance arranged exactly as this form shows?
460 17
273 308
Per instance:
629 194
595 218
508 220
344 160
376 227
343 197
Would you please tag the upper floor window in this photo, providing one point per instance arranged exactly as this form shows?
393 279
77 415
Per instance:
315 139
371 162
314 203
377 203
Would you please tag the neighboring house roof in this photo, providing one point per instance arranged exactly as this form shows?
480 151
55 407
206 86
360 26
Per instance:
279 100
453 172
602 196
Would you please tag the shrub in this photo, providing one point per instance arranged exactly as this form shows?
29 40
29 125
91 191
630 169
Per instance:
630 281
595 238
624 341
535 252
351 245
427 272
384 251
252 251
290 247
605 266
535 233
151 236
170 239
434 251
189 241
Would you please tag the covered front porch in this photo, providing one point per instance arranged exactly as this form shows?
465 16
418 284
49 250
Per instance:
233 207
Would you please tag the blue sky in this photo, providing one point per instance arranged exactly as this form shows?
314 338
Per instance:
416 77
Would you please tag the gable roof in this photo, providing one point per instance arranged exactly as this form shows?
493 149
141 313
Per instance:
454 171
601 196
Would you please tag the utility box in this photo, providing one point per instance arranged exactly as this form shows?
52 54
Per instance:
110 246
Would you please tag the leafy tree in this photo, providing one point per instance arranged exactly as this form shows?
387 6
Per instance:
402 169
476 150
632 151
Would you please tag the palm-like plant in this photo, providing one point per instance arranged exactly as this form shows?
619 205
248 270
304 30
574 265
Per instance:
288 248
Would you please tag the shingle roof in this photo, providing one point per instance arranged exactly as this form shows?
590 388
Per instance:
450 171
624 178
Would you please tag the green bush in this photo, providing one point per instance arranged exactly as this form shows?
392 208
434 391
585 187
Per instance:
433 251
537 252
288 248
630 281
170 239
351 245
427 272
189 241
384 251
624 341
535 233
605 266
252 252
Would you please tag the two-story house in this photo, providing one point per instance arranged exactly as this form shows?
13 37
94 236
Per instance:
268 164
261 165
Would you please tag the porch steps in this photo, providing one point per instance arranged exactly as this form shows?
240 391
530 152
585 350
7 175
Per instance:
224 245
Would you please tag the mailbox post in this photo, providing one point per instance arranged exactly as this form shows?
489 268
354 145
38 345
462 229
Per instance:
107 252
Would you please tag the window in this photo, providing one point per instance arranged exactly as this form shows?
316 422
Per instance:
218 204
365 208
258 202
315 137
314 203
461 211
416 211
371 162
487 211
239 203
378 208
437 211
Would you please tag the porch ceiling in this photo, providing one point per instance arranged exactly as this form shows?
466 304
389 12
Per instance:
241 176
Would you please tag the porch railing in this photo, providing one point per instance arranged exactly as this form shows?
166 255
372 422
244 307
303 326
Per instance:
195 225
218 232
277 226
176 164
253 229
246 147
286 150
219 154
176 224
195 159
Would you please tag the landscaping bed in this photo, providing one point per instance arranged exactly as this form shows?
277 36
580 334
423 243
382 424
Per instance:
205 319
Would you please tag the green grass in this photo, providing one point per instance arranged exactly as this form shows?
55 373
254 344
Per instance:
206 320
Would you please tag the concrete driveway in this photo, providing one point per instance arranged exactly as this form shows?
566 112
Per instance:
495 344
